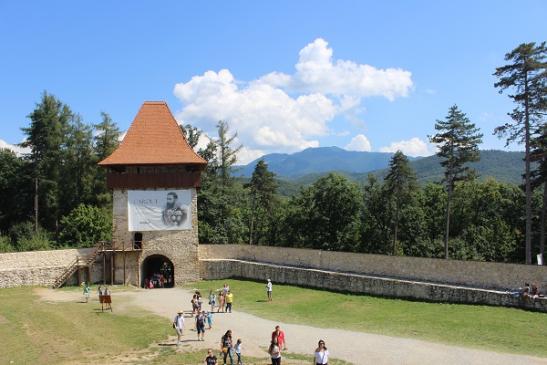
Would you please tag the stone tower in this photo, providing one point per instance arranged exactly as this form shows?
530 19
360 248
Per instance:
153 175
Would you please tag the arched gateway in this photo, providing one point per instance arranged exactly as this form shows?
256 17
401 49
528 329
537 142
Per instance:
154 174
157 271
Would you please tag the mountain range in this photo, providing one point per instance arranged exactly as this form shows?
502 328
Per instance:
303 168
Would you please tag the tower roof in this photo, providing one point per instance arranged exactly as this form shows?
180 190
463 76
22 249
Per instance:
154 138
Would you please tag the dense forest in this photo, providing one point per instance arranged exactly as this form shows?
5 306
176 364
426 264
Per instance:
454 214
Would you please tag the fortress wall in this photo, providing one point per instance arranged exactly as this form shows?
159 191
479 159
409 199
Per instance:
355 283
38 267
488 275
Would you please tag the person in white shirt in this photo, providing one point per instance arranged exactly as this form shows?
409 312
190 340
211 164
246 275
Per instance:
178 325
269 288
321 354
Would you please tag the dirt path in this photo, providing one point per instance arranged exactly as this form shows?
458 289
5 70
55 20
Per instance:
355 347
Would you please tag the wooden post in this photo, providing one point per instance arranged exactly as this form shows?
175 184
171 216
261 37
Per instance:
79 274
104 265
123 250
112 257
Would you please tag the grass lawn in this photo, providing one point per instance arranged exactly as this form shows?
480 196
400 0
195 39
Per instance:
36 332
483 327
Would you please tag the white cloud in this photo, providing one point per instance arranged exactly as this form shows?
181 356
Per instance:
19 151
359 143
279 112
412 147
247 155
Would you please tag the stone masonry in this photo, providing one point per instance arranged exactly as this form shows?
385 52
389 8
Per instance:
180 247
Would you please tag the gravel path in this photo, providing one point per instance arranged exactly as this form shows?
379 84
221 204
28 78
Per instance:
356 347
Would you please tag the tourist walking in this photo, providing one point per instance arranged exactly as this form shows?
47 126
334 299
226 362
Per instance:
200 325
221 301
269 287
226 288
212 300
279 334
209 317
227 347
178 325
275 352
210 359
229 301
237 349
87 289
321 354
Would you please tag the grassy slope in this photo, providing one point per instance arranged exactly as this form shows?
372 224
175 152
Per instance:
493 328
36 332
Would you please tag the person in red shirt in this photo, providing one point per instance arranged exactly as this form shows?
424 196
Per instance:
280 336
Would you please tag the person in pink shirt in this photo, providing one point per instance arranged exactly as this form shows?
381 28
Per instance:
280 336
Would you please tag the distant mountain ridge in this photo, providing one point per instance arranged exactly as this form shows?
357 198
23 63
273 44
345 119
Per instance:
318 160
303 168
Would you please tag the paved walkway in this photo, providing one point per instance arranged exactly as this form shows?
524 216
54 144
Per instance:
356 347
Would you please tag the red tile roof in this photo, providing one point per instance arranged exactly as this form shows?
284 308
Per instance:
154 138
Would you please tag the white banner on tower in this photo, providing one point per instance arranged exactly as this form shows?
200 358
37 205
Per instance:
159 210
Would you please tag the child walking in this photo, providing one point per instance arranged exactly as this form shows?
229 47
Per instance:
237 350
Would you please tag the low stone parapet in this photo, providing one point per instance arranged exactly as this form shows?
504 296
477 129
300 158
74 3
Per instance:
365 284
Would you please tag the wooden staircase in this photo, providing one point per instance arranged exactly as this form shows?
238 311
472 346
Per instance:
79 262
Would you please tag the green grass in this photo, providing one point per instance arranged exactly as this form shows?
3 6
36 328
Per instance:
483 327
33 331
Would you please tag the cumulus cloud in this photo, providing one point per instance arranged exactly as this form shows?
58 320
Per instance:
359 143
412 147
19 151
287 112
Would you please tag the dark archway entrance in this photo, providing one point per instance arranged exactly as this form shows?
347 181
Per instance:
157 272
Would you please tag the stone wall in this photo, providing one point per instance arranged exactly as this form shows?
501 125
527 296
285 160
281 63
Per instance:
181 247
486 275
356 283
38 267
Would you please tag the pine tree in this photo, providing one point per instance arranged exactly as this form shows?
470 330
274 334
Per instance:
79 166
263 200
46 137
400 184
106 140
227 155
526 75
539 178
457 140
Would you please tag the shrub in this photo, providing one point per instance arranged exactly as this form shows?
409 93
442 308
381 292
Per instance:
37 241
5 244
85 226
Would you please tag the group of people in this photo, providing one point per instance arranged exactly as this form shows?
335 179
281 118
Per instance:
158 281
87 291
223 301
230 349
278 344
529 292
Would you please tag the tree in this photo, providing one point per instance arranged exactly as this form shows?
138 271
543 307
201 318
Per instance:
79 166
326 215
375 220
400 184
526 74
85 226
227 155
16 189
263 200
191 134
539 178
457 140
106 140
221 199
45 137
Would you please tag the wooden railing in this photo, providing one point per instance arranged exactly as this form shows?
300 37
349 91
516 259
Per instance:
76 264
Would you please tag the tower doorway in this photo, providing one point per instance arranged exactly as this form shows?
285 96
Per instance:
157 272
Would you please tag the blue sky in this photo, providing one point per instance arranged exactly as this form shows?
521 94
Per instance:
286 74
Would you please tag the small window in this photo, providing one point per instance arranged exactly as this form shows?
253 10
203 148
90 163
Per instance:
137 241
